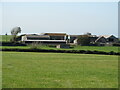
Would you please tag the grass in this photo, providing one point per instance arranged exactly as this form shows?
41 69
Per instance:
0 70
3 38
14 47
98 48
58 70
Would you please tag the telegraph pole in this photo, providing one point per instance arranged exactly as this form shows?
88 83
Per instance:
6 37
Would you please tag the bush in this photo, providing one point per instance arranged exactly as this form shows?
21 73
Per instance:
11 44
83 40
116 44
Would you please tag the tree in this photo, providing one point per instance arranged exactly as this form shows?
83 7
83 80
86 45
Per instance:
83 40
14 33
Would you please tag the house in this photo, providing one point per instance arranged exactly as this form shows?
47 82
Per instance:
104 40
101 39
98 40
111 38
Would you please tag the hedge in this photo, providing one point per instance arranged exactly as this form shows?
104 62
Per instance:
11 44
63 51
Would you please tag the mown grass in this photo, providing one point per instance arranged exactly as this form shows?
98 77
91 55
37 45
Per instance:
97 48
14 47
58 70
0 70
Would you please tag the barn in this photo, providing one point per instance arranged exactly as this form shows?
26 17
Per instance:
44 39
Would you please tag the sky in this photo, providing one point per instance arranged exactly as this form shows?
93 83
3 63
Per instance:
99 18
59 0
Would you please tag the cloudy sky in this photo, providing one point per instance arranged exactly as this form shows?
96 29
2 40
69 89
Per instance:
100 18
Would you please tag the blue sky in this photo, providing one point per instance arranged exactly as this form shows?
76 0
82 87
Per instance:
100 18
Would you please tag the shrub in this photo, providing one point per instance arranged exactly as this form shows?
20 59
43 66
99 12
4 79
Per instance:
83 40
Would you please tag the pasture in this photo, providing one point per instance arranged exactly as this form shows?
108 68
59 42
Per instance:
58 70
0 70
5 38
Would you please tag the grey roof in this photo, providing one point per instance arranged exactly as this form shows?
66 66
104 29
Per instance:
48 40
38 36
73 35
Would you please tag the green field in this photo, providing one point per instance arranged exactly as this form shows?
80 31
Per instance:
97 48
5 38
0 70
58 70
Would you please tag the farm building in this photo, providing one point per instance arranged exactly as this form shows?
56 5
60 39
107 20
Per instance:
104 39
73 38
101 39
111 38
45 38
63 38
57 36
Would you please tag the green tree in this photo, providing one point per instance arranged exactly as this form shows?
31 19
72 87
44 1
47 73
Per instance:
83 40
14 33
